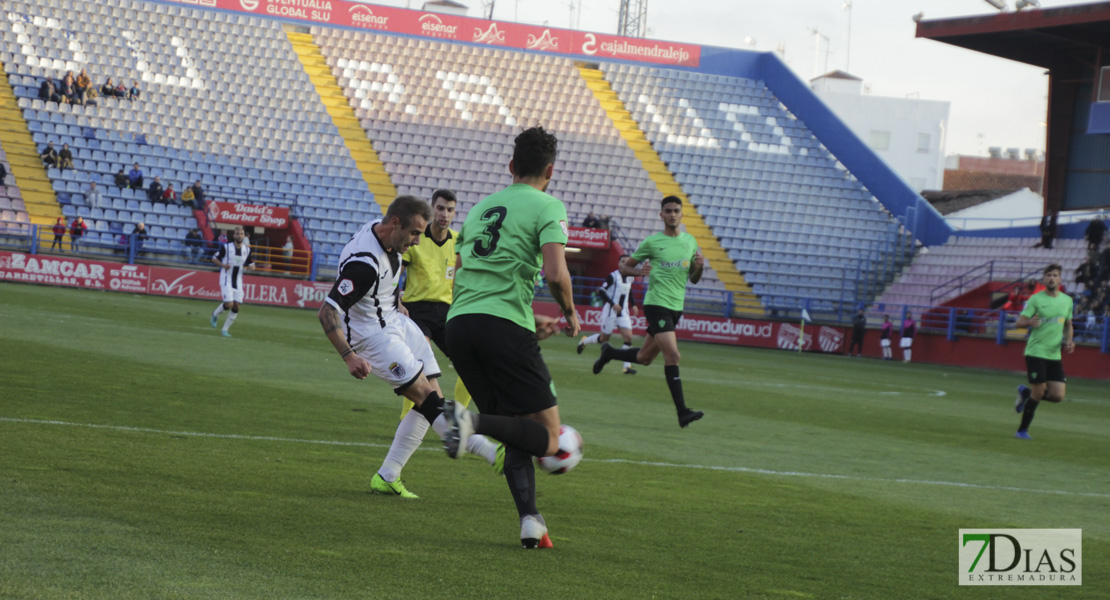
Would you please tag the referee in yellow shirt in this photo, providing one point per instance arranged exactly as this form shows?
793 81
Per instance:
430 266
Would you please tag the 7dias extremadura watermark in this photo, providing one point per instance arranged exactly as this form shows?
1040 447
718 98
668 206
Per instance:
1021 557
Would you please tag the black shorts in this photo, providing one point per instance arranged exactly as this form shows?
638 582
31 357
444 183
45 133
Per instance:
1042 370
660 320
500 363
431 318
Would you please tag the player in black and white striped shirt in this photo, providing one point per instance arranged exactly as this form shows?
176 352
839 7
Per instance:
361 319
232 258
617 294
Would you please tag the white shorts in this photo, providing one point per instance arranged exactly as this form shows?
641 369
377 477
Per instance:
610 321
884 343
230 294
906 342
398 353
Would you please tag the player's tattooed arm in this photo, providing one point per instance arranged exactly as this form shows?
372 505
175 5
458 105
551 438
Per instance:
333 328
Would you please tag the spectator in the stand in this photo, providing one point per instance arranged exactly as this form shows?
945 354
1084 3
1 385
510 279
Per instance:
140 234
108 90
135 177
909 329
77 229
84 82
121 179
170 195
133 93
222 238
859 326
591 221
3 174
59 230
1048 230
49 155
194 245
199 195
93 199
154 192
65 158
603 222
48 92
188 197
1096 230
69 88
121 89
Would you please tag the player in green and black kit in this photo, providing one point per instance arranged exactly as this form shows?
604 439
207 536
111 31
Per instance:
492 332
1048 317
671 258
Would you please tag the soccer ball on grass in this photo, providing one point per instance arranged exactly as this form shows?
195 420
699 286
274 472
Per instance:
569 454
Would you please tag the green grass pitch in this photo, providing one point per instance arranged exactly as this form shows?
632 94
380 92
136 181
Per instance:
144 456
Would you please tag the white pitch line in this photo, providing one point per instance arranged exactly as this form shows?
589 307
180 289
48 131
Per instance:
644 463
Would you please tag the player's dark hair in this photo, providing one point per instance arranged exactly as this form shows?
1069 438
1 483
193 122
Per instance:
1053 267
447 195
670 200
405 208
533 150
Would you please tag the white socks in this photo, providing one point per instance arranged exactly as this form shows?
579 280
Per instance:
229 320
627 365
907 353
482 447
591 339
886 352
219 309
410 432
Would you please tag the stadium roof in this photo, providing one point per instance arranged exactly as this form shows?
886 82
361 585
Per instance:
1046 38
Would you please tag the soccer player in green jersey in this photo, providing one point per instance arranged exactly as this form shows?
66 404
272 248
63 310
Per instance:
1048 317
669 258
492 332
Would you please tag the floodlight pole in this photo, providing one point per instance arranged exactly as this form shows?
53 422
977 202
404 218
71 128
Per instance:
632 21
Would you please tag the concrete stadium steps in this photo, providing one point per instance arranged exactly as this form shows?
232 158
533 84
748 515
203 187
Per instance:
744 299
27 170
339 108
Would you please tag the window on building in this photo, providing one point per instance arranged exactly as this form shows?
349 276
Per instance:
924 142
880 140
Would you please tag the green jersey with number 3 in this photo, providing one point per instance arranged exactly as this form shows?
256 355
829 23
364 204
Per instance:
500 245
670 268
1044 341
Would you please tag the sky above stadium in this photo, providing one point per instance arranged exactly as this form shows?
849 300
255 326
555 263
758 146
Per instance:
994 102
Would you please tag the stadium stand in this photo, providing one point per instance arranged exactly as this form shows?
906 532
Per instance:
792 219
453 126
239 103
224 100
929 280
13 212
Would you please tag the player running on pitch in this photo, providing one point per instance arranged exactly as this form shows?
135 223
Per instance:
232 258
670 258
618 295
1047 314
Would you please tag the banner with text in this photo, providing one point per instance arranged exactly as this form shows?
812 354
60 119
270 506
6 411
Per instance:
719 330
159 281
585 237
255 215
465 29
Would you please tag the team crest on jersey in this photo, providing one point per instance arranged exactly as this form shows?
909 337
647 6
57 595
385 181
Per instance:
566 230
397 370
346 287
